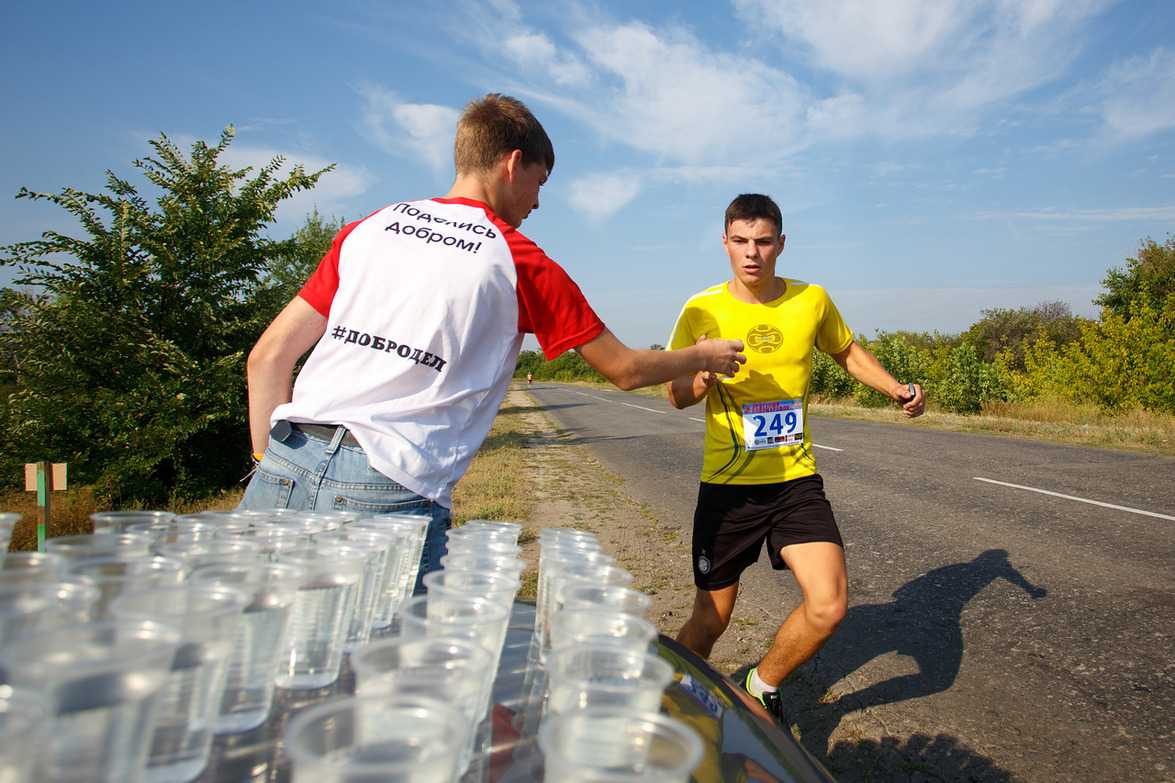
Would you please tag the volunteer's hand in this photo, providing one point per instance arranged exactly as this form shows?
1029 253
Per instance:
721 357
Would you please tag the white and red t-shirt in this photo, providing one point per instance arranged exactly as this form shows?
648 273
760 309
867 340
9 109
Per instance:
426 305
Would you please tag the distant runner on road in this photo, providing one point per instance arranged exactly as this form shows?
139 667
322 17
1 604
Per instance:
759 481
416 316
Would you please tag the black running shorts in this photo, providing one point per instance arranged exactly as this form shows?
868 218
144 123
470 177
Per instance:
732 521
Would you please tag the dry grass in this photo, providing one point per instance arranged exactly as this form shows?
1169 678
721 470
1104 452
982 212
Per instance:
495 486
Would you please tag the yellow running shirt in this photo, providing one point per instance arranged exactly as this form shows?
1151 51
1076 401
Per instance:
756 431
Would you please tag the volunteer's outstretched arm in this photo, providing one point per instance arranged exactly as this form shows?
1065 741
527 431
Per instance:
864 366
632 368
271 363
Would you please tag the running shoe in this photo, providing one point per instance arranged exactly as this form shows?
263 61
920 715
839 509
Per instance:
771 700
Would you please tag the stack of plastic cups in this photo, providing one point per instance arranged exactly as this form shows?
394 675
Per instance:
7 523
269 589
114 576
271 540
194 553
571 573
509 566
555 544
102 683
451 583
618 746
208 617
458 668
378 739
578 627
195 532
24 733
118 521
328 592
414 527
605 675
381 564
398 544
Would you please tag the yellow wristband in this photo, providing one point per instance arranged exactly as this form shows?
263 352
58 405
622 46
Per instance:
258 457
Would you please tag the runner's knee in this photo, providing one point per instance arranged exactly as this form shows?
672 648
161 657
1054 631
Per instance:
827 613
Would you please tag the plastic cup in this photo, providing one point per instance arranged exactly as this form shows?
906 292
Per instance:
382 561
584 626
208 617
24 734
458 584
324 606
117 521
573 573
415 528
616 598
552 563
102 683
386 599
115 575
400 739
100 545
269 589
619 747
476 534
608 676
492 524
271 540
479 619
458 668
28 608
31 567
196 552
8 521
507 566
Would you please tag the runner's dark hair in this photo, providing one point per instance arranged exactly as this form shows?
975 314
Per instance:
754 206
494 126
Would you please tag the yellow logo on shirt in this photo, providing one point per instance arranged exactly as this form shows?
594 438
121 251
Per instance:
764 338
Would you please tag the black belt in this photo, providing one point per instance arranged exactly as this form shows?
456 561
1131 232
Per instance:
325 432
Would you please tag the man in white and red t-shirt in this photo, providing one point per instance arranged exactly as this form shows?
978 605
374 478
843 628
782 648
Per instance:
416 316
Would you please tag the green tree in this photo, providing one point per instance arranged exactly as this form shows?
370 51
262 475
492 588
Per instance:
1150 277
1010 330
296 259
129 363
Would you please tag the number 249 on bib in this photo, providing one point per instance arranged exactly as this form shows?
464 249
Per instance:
770 425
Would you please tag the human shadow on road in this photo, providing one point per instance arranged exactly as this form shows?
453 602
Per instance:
923 622
916 758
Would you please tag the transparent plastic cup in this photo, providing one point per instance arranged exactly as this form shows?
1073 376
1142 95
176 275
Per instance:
8 521
599 745
100 545
28 608
459 584
102 682
31 567
194 553
189 534
382 561
415 527
208 617
324 606
271 540
117 521
551 564
578 627
458 668
385 599
479 619
24 734
615 598
269 589
401 739
606 676
572 573
482 534
492 524
462 561
115 575
478 545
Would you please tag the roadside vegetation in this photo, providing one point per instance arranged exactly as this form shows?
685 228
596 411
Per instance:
1038 371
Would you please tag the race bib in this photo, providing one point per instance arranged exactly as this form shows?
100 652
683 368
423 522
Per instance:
770 425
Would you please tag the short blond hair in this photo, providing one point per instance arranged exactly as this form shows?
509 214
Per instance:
494 126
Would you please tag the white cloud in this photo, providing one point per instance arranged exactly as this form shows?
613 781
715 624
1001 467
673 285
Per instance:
1085 215
421 130
534 51
1138 95
599 196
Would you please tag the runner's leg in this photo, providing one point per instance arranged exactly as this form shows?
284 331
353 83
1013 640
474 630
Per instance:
819 568
710 616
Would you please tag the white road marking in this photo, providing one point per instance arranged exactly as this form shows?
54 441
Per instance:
642 408
828 448
1079 500
701 421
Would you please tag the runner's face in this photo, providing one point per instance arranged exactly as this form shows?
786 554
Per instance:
753 247
528 178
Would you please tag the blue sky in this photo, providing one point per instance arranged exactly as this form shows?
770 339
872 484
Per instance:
932 157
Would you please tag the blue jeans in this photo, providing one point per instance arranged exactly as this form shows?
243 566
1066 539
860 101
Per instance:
307 473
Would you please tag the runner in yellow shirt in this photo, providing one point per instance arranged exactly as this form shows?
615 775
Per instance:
759 480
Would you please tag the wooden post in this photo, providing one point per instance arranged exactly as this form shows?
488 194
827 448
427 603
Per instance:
44 493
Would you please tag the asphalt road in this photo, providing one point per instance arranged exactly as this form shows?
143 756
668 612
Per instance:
1029 635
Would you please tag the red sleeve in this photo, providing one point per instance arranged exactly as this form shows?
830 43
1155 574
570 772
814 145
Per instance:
319 290
550 304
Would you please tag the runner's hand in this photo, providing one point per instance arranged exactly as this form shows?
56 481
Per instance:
721 357
911 406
